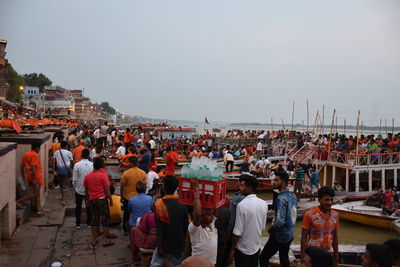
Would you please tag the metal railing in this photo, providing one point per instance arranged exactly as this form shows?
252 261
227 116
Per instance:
365 159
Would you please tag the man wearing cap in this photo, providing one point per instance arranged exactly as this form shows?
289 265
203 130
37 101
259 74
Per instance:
203 234
77 151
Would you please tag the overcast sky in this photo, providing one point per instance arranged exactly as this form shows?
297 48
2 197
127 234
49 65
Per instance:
233 61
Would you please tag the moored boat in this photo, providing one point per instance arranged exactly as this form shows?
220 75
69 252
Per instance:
359 213
396 225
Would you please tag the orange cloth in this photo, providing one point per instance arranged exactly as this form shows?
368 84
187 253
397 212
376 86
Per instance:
33 123
161 208
321 228
11 124
31 158
124 160
127 156
172 160
128 137
77 153
55 147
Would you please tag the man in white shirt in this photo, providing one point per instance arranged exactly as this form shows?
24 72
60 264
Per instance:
251 218
62 163
259 149
81 168
202 231
121 151
229 161
151 176
152 144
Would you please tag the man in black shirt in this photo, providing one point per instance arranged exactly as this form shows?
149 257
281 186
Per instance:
171 225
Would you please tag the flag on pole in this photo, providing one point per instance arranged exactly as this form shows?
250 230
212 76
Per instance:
206 121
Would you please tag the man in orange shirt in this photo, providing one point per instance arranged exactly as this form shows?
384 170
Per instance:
31 171
320 225
77 152
128 138
172 160
124 160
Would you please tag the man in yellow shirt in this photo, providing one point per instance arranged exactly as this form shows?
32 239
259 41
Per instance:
128 187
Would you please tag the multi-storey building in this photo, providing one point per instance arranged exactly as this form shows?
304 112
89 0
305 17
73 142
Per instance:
3 69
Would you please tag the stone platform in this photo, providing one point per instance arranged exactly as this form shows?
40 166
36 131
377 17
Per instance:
53 237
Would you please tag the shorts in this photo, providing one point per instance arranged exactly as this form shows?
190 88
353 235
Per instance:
65 182
314 189
37 183
99 212
298 185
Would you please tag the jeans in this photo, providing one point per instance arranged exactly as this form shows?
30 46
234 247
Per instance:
158 261
270 250
243 260
125 218
78 207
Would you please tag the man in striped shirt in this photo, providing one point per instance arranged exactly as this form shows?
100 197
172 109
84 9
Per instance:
298 185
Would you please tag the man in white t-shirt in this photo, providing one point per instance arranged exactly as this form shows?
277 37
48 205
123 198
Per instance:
251 218
62 166
202 231
152 144
121 151
151 176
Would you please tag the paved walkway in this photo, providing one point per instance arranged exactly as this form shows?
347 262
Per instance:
43 240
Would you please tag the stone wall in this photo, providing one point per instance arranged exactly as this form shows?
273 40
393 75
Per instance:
7 189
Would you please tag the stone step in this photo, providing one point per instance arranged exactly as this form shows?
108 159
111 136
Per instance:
22 214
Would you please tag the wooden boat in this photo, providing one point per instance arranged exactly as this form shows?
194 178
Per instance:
396 225
359 213
232 181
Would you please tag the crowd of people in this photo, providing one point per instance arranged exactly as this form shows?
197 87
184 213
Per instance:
153 218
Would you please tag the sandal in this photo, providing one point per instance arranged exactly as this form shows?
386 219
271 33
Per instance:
112 236
108 243
94 244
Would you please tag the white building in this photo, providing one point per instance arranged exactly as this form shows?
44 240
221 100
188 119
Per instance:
31 91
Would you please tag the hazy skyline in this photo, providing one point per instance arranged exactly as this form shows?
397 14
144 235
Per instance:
232 61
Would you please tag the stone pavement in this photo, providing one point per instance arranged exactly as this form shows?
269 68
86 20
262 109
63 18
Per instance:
53 237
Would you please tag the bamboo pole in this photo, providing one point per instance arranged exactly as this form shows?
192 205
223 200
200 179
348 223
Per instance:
283 125
386 127
292 115
392 127
357 131
272 125
308 115
336 125
380 126
302 125
330 135
344 127
315 122
323 118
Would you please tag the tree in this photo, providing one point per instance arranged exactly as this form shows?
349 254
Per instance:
107 108
15 81
33 79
